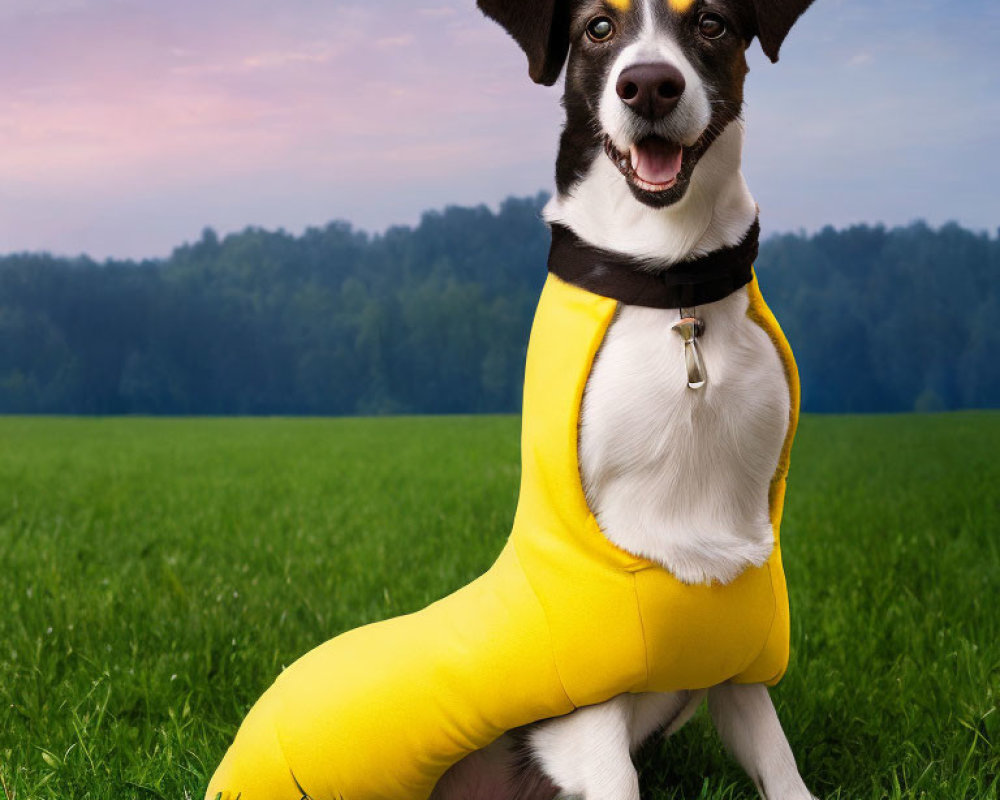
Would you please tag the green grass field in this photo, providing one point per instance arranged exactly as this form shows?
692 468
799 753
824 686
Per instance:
156 575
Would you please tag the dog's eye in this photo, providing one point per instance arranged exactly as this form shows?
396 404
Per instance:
711 26
600 29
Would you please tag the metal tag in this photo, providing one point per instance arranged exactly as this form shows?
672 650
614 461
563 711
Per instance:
689 328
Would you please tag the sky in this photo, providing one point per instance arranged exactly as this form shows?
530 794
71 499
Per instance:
127 126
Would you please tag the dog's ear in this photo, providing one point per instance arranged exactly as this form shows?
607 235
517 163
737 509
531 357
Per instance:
775 19
541 27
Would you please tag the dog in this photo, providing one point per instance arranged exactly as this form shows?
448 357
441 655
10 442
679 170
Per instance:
649 166
643 572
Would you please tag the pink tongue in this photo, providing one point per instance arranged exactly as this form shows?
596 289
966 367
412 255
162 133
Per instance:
656 161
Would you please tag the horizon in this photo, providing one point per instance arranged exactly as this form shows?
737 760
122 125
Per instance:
494 208
128 128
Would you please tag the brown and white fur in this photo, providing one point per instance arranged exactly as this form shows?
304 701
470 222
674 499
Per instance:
675 475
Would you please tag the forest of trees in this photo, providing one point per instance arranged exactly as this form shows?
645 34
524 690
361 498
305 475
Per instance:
435 319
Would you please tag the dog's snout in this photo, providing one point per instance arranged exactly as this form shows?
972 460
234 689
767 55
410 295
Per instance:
651 90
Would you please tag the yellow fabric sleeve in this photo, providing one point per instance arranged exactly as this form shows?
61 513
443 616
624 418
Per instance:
562 619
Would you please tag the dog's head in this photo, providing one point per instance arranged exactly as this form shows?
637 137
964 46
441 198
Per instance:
650 84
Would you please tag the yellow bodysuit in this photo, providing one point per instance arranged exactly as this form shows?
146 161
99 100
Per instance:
563 619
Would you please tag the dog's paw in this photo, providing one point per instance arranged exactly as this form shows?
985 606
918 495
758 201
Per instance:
796 794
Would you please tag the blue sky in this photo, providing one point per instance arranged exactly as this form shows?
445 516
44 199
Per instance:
128 125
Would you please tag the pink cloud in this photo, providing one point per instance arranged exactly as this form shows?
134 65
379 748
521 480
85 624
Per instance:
146 92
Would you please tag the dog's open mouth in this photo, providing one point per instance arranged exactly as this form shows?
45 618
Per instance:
652 164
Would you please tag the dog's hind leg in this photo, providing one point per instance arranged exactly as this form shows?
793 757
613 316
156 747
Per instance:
749 727
497 772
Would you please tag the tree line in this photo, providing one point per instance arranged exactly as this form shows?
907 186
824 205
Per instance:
435 319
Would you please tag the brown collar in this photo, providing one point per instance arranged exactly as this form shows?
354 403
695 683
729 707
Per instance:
687 284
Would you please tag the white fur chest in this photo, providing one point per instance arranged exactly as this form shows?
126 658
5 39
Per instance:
677 475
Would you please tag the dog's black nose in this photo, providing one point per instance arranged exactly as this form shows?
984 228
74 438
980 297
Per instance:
651 90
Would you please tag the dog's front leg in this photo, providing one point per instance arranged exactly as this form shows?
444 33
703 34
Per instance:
749 727
587 753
